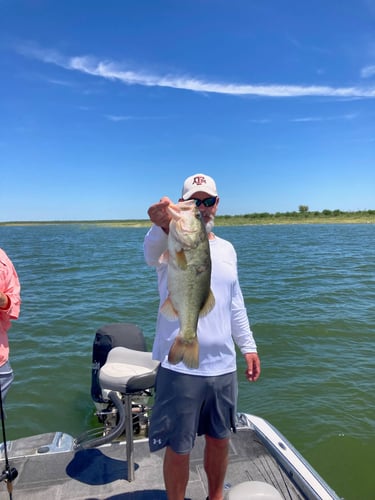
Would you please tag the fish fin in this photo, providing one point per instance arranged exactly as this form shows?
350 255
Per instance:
208 305
187 352
181 259
168 311
164 257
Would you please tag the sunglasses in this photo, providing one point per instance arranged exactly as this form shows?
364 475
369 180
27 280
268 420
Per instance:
207 202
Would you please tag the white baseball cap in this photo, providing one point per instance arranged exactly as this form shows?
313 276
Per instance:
196 183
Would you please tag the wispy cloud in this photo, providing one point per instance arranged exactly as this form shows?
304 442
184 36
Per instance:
123 118
62 83
349 116
307 48
116 72
368 71
117 118
260 121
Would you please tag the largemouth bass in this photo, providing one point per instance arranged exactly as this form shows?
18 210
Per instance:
189 279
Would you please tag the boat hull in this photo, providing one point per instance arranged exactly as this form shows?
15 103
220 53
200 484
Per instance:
48 466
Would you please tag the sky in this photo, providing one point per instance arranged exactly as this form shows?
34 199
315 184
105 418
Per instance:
106 106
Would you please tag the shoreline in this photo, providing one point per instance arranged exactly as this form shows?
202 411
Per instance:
220 221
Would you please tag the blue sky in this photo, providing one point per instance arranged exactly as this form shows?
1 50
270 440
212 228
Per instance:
108 105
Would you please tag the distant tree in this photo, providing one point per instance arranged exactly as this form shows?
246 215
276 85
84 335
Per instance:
303 209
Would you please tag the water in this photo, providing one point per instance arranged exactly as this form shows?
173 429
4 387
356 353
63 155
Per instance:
310 293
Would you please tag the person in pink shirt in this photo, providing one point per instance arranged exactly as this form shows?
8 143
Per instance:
10 302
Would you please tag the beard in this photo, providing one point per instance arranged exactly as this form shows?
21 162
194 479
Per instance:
210 225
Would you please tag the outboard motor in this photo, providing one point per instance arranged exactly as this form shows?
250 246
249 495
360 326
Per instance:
106 338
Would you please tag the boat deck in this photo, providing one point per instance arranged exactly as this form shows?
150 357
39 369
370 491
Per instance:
101 473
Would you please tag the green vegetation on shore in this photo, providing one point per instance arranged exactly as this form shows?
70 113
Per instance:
303 216
300 217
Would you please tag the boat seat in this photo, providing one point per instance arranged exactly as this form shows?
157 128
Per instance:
128 372
253 490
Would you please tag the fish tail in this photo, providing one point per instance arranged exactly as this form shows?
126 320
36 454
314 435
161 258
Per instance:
187 352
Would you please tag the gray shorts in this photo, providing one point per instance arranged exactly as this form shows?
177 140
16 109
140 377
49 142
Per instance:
6 378
187 405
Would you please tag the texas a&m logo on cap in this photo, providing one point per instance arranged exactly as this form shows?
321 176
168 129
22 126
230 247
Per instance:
199 180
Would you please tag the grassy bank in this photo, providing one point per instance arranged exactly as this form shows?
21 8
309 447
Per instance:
324 217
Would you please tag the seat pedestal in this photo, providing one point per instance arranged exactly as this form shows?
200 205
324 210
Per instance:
128 372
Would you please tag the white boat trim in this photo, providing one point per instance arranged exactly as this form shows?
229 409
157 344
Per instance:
298 468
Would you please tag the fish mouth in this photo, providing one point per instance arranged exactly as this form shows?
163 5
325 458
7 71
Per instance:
175 209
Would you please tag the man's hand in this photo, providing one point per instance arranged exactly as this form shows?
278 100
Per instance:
158 213
252 371
4 301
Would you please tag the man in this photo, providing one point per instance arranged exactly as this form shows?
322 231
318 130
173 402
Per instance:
10 302
200 400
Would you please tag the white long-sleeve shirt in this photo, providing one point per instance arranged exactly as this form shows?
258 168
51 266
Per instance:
219 329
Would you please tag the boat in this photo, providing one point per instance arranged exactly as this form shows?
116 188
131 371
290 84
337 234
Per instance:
113 460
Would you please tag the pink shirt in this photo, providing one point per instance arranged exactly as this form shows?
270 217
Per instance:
10 285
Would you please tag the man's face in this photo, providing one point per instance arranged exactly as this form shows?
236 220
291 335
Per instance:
207 206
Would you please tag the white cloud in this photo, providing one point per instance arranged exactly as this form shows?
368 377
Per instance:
349 116
118 118
123 118
114 71
368 71
62 83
